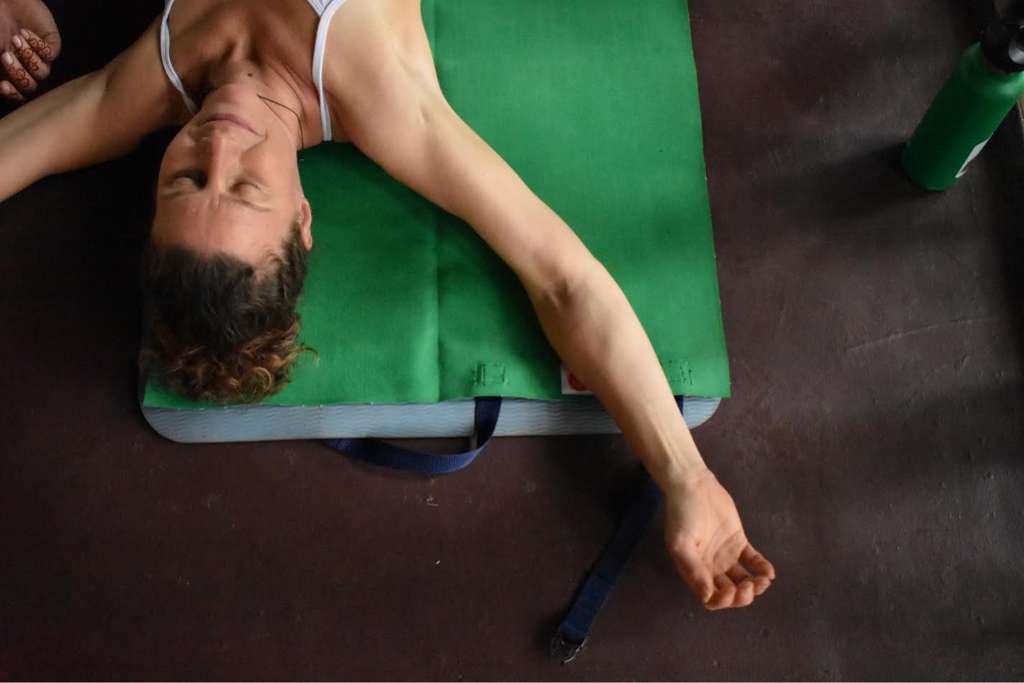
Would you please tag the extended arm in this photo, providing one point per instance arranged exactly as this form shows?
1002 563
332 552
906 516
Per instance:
91 119
422 142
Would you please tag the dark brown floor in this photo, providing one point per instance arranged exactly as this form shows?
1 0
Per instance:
873 444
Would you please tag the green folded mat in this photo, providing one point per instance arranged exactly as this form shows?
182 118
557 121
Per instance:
594 103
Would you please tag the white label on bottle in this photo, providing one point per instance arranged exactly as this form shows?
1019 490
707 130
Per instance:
973 155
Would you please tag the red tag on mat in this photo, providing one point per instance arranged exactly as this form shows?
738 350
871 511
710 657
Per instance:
571 384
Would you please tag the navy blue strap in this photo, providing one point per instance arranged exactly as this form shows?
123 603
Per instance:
377 452
572 632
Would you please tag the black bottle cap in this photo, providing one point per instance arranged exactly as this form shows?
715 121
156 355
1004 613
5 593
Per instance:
1003 44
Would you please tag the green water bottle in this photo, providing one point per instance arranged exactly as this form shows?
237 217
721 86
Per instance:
988 80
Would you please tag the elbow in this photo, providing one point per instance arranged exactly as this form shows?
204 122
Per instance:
564 286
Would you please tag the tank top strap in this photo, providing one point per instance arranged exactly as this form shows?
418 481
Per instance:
324 8
165 57
329 7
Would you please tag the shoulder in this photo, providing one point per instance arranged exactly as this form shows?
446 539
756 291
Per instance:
137 90
377 55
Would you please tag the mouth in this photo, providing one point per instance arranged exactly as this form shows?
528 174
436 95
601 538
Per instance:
229 118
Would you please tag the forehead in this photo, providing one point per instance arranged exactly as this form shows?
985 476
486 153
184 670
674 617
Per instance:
228 226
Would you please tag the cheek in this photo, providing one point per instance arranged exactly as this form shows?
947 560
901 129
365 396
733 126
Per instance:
176 149
170 158
280 171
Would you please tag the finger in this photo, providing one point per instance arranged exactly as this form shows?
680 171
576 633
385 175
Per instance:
757 562
738 573
725 593
10 92
36 67
744 593
693 570
22 81
47 47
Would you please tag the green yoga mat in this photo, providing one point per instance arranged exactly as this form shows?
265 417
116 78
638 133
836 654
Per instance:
594 103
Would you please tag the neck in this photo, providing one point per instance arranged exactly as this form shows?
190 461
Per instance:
234 58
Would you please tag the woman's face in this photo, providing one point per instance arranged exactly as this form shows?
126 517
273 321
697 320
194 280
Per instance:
229 181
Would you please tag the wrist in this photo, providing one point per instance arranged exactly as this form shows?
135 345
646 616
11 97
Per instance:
680 465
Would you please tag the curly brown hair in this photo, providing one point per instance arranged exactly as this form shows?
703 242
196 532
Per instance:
218 329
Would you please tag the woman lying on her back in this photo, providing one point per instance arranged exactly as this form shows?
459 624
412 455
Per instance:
250 82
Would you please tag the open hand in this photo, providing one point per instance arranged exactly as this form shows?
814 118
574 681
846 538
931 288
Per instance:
705 538
29 42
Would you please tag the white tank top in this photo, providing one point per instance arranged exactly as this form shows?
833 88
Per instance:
324 9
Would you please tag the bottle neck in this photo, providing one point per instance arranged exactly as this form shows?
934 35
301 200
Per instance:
981 70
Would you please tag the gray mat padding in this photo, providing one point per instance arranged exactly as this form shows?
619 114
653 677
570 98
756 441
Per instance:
519 417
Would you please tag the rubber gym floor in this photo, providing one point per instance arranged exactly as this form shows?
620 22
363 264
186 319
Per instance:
873 443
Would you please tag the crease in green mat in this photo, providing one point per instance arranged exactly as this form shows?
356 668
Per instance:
594 103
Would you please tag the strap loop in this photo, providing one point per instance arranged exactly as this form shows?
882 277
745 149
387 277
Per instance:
377 452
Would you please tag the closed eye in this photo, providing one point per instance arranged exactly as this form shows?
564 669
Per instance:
197 177
247 188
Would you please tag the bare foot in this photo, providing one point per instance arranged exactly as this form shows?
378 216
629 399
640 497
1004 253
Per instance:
29 42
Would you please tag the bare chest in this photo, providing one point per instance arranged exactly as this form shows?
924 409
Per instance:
360 44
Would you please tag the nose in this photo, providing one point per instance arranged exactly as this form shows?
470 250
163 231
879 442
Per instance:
219 154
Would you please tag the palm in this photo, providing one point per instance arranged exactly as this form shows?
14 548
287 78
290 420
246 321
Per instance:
705 538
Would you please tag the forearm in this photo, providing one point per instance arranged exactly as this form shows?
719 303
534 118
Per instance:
48 135
595 331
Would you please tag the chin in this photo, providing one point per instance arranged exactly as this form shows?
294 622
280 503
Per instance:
232 95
